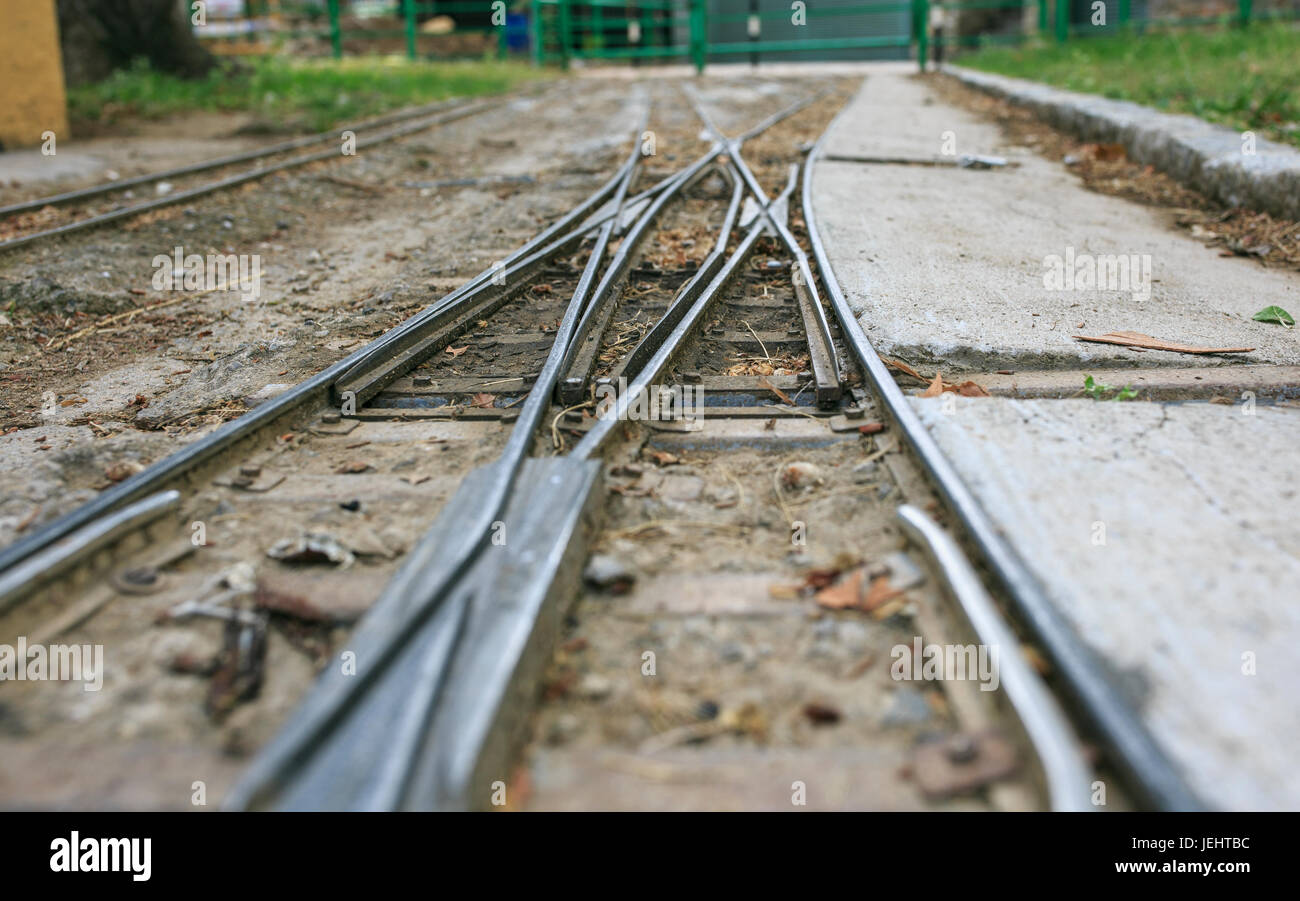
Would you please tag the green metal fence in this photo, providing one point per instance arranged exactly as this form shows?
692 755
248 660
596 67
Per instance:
414 28
1011 21
704 31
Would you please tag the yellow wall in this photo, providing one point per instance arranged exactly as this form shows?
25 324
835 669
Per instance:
31 74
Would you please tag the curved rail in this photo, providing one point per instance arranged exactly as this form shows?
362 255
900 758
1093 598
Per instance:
1068 774
1090 686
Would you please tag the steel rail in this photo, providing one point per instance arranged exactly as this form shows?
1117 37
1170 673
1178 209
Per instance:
53 561
403 347
655 336
411 332
1093 690
134 181
687 320
414 336
821 348
386 793
430 586
581 353
396 336
416 592
1067 773
201 451
245 177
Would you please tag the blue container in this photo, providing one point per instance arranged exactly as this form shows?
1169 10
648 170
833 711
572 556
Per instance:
517 32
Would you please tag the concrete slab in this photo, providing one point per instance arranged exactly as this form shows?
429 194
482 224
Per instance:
1190 149
1169 536
946 267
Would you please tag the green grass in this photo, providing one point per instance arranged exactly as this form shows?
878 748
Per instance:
1244 78
295 94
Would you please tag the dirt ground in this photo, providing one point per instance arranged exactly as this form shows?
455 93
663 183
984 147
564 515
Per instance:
347 249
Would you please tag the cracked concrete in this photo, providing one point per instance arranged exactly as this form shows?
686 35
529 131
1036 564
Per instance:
1169 536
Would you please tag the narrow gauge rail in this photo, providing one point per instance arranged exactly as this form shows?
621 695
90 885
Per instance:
457 631
368 133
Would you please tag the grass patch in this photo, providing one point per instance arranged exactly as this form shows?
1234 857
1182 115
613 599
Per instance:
1244 78
294 95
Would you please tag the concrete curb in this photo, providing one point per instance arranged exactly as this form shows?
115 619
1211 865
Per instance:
1206 157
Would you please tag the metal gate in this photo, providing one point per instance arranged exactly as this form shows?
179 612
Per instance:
704 31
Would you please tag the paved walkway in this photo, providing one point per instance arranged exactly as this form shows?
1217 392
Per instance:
947 265
1167 533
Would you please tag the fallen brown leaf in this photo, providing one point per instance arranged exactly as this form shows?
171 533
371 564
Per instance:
936 386
353 466
844 594
903 367
455 351
968 389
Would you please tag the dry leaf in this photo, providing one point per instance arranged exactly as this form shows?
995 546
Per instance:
483 400
456 351
1104 153
936 387
903 367
353 466
845 593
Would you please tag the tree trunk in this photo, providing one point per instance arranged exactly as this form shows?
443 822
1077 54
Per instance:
99 36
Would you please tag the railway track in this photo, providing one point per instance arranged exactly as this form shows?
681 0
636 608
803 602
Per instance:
52 216
516 406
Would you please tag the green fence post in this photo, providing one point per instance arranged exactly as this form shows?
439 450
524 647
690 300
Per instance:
1062 20
336 36
408 10
699 35
565 33
921 23
1125 14
535 32
1243 11
501 36
1042 16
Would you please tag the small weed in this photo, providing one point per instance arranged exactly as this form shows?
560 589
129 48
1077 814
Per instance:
1097 391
